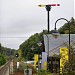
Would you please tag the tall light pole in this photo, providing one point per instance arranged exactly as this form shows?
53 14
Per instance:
57 34
39 55
48 8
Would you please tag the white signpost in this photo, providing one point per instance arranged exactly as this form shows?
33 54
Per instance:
18 63
44 61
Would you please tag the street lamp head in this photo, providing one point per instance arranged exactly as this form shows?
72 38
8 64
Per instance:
32 48
17 55
39 43
55 34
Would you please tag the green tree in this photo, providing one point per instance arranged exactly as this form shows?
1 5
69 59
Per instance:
0 49
2 60
69 68
32 41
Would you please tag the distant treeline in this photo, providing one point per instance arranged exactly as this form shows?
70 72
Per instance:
6 51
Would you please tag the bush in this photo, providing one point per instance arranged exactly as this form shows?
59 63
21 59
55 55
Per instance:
69 67
2 60
43 72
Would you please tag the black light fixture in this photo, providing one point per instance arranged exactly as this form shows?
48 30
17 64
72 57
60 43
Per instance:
39 43
17 55
56 34
32 48
48 8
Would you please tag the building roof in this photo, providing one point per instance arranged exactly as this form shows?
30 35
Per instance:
56 43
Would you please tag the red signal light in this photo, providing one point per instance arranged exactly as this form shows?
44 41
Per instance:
58 4
54 4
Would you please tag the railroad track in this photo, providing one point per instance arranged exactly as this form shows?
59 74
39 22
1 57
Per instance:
4 68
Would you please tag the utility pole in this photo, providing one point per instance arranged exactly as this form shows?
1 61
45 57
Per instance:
48 8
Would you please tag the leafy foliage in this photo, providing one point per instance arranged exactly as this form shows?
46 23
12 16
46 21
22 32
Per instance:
6 51
2 60
69 68
27 45
5 54
43 72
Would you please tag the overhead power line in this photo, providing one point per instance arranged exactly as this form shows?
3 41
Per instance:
14 37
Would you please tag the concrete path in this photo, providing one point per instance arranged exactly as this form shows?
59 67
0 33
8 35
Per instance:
7 72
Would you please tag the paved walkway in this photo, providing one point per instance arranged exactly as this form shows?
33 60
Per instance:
7 73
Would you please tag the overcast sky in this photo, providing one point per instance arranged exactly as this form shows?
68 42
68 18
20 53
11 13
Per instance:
20 19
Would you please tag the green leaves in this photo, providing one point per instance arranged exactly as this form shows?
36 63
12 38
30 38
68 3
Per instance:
69 68
27 45
2 60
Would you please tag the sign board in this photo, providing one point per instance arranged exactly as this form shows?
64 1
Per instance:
35 60
18 64
44 61
63 58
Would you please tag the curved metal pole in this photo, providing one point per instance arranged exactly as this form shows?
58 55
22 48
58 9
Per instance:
69 32
60 19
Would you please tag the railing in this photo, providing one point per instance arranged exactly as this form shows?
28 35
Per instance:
4 68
